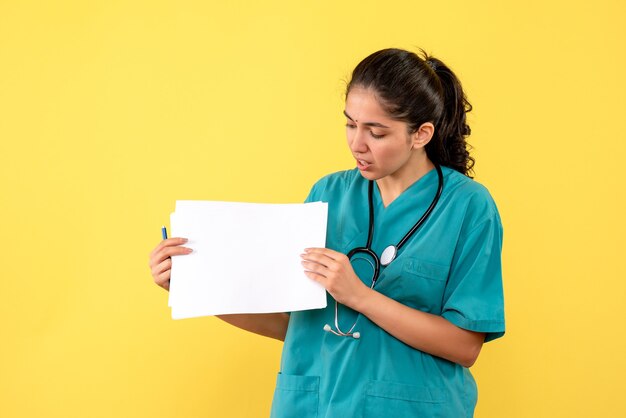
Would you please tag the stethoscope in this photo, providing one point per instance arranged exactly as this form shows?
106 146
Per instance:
388 254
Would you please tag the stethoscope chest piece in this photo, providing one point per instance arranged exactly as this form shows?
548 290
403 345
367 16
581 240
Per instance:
388 255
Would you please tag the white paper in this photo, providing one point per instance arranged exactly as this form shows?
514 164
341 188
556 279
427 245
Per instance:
246 257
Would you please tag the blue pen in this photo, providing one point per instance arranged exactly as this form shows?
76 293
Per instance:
164 232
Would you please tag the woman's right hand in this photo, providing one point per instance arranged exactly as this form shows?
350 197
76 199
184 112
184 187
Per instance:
161 262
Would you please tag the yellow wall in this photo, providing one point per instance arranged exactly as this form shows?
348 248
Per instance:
112 110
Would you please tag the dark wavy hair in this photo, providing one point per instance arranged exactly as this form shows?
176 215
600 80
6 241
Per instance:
418 89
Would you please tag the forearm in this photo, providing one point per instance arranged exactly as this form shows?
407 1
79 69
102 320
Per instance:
273 325
423 331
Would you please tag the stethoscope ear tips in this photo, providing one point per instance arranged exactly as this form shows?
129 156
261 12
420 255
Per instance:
355 335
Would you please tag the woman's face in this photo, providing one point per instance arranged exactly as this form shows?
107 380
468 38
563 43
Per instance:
380 145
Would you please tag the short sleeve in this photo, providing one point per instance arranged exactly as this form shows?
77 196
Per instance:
473 298
315 195
311 197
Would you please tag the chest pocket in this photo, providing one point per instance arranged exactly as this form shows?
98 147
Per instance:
416 283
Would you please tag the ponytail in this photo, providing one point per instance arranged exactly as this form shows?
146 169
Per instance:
417 90
449 146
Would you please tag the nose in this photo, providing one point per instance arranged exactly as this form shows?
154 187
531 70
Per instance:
357 141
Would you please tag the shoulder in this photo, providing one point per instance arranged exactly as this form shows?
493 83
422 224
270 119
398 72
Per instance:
330 184
471 198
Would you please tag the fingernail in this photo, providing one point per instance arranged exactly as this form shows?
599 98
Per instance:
184 239
188 250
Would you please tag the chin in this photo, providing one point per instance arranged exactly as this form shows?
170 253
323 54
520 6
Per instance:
368 175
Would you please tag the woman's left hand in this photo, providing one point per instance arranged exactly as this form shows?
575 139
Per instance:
333 270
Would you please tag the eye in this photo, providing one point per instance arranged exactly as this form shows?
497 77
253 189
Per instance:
376 136
349 125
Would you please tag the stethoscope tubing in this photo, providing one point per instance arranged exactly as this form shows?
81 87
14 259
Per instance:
428 211
377 261
370 235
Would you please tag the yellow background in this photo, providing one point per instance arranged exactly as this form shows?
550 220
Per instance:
112 110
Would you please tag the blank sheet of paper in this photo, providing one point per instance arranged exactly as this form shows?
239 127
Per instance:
246 257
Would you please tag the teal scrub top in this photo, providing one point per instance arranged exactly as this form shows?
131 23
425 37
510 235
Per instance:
450 267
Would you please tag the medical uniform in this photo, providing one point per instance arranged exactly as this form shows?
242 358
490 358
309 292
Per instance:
450 267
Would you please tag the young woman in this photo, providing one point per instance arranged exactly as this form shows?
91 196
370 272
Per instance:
412 263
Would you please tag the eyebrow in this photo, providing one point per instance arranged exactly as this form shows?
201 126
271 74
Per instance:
379 125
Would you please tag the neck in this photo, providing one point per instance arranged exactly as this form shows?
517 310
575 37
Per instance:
393 185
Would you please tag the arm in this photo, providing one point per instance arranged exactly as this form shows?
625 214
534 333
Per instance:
273 325
423 331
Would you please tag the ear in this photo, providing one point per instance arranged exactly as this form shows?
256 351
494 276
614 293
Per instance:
422 135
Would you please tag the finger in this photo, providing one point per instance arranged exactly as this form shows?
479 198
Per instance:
316 277
313 267
170 251
162 277
159 258
327 252
162 271
161 267
318 258
174 241
167 252
168 243
163 280
156 259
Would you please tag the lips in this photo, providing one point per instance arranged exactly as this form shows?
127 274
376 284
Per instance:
362 164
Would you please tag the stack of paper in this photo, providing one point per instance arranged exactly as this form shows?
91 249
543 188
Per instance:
246 257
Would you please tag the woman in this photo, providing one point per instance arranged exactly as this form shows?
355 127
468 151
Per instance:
398 342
